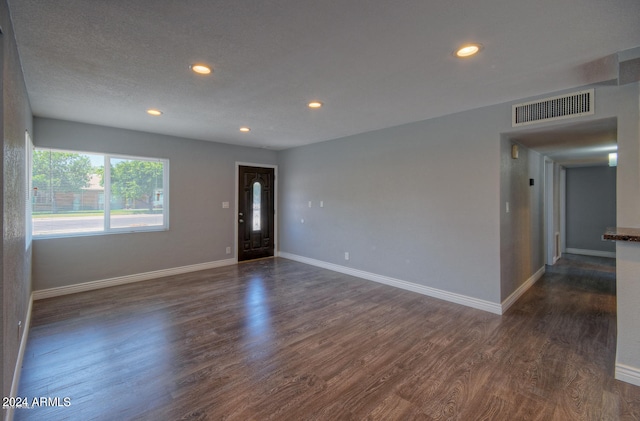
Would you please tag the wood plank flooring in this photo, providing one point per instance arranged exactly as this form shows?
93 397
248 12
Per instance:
279 340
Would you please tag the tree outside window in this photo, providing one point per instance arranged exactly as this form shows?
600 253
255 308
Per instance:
72 196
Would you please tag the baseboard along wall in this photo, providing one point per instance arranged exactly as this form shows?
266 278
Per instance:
622 372
511 299
595 253
120 280
15 382
628 374
398 283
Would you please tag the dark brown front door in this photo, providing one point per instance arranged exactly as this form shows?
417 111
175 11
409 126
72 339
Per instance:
255 212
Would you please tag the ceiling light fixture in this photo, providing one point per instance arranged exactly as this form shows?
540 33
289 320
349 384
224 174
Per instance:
468 50
315 104
200 69
154 112
245 129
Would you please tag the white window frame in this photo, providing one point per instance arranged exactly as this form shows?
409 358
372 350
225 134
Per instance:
107 229
28 157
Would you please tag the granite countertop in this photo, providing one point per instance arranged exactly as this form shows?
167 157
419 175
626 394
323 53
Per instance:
622 234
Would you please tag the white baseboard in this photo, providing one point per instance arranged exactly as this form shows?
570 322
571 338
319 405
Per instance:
595 253
120 280
628 374
508 302
15 382
410 286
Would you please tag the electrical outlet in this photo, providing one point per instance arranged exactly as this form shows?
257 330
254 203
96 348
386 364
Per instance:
346 255
228 250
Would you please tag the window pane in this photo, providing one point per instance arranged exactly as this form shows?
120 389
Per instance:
68 192
257 198
137 195
74 193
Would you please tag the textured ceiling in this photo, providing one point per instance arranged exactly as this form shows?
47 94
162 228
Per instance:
374 63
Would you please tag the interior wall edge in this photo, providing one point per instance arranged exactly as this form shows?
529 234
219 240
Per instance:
15 381
511 299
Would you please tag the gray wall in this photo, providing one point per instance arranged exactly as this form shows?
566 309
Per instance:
418 202
591 207
424 202
202 176
628 215
16 254
522 228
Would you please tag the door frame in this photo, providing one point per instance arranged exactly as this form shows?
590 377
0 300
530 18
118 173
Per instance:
549 228
275 205
554 198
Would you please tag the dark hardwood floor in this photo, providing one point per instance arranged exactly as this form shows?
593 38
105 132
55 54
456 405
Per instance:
279 340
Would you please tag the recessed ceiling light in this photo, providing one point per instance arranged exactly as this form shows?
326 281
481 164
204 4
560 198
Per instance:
468 50
200 69
154 112
245 129
315 104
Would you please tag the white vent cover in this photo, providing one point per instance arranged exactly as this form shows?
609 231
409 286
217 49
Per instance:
555 108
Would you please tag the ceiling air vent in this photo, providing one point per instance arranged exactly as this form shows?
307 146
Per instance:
555 108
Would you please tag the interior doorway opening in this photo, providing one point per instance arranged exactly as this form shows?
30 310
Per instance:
567 147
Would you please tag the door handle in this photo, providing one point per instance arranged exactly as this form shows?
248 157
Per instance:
241 221
241 214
